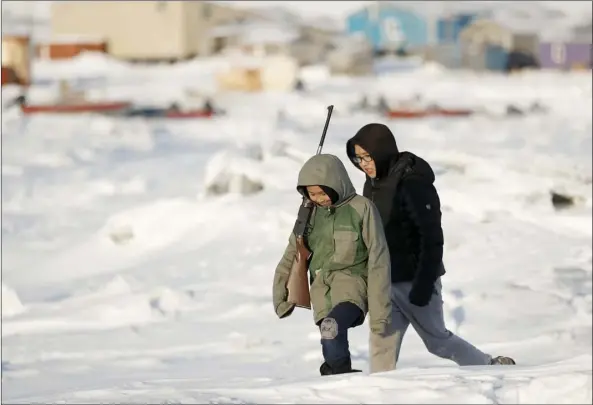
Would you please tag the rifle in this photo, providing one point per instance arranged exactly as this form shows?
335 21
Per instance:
298 281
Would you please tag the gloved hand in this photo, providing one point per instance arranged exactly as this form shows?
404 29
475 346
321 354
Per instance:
380 328
284 309
421 294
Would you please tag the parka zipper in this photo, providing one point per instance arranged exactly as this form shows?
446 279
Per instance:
373 188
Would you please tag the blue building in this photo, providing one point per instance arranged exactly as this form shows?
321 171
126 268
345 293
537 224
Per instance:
496 58
388 27
449 28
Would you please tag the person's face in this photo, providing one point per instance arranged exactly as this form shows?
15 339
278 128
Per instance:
365 161
318 196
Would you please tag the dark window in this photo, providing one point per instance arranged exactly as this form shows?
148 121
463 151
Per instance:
219 44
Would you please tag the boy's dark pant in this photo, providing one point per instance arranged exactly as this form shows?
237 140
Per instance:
334 337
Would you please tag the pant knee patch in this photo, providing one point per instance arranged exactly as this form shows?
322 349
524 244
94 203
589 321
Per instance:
328 328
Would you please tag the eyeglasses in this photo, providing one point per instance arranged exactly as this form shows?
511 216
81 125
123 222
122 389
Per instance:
358 159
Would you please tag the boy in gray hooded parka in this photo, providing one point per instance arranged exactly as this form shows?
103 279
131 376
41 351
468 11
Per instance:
349 266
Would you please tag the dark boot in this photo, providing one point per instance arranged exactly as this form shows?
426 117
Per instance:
334 338
340 368
502 361
325 369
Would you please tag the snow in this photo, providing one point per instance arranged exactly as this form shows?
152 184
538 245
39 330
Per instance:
254 32
123 280
75 39
268 33
11 305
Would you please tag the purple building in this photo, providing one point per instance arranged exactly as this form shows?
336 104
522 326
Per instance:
565 55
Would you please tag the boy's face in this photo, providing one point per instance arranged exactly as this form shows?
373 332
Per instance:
318 196
365 161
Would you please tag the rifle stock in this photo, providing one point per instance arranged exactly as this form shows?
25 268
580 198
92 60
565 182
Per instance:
298 280
298 283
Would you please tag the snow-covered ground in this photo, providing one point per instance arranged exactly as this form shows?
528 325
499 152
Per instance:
123 280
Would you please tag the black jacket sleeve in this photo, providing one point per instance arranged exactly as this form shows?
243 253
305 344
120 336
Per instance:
424 209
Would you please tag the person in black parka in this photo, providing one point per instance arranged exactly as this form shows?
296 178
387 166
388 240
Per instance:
401 185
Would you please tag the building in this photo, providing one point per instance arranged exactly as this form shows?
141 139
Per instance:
572 50
565 55
450 27
16 59
485 31
317 39
306 39
486 44
275 33
478 39
388 27
144 30
67 48
519 29
444 47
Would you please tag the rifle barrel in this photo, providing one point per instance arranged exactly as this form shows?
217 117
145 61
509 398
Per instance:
329 114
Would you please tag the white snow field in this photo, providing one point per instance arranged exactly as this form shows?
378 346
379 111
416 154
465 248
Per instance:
124 279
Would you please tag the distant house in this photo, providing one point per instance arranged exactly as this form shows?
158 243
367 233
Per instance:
317 39
565 55
275 32
482 42
16 59
450 27
443 47
388 27
487 43
309 39
486 31
254 38
142 30
567 48
518 28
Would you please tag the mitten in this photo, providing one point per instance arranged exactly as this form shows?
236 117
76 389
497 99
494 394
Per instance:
379 328
420 294
284 309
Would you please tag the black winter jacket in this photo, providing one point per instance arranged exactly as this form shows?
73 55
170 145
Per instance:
410 209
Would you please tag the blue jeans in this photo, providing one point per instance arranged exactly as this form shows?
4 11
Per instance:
334 334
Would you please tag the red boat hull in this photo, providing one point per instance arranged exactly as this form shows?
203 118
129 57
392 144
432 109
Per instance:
75 108
440 112
407 114
189 114
452 113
